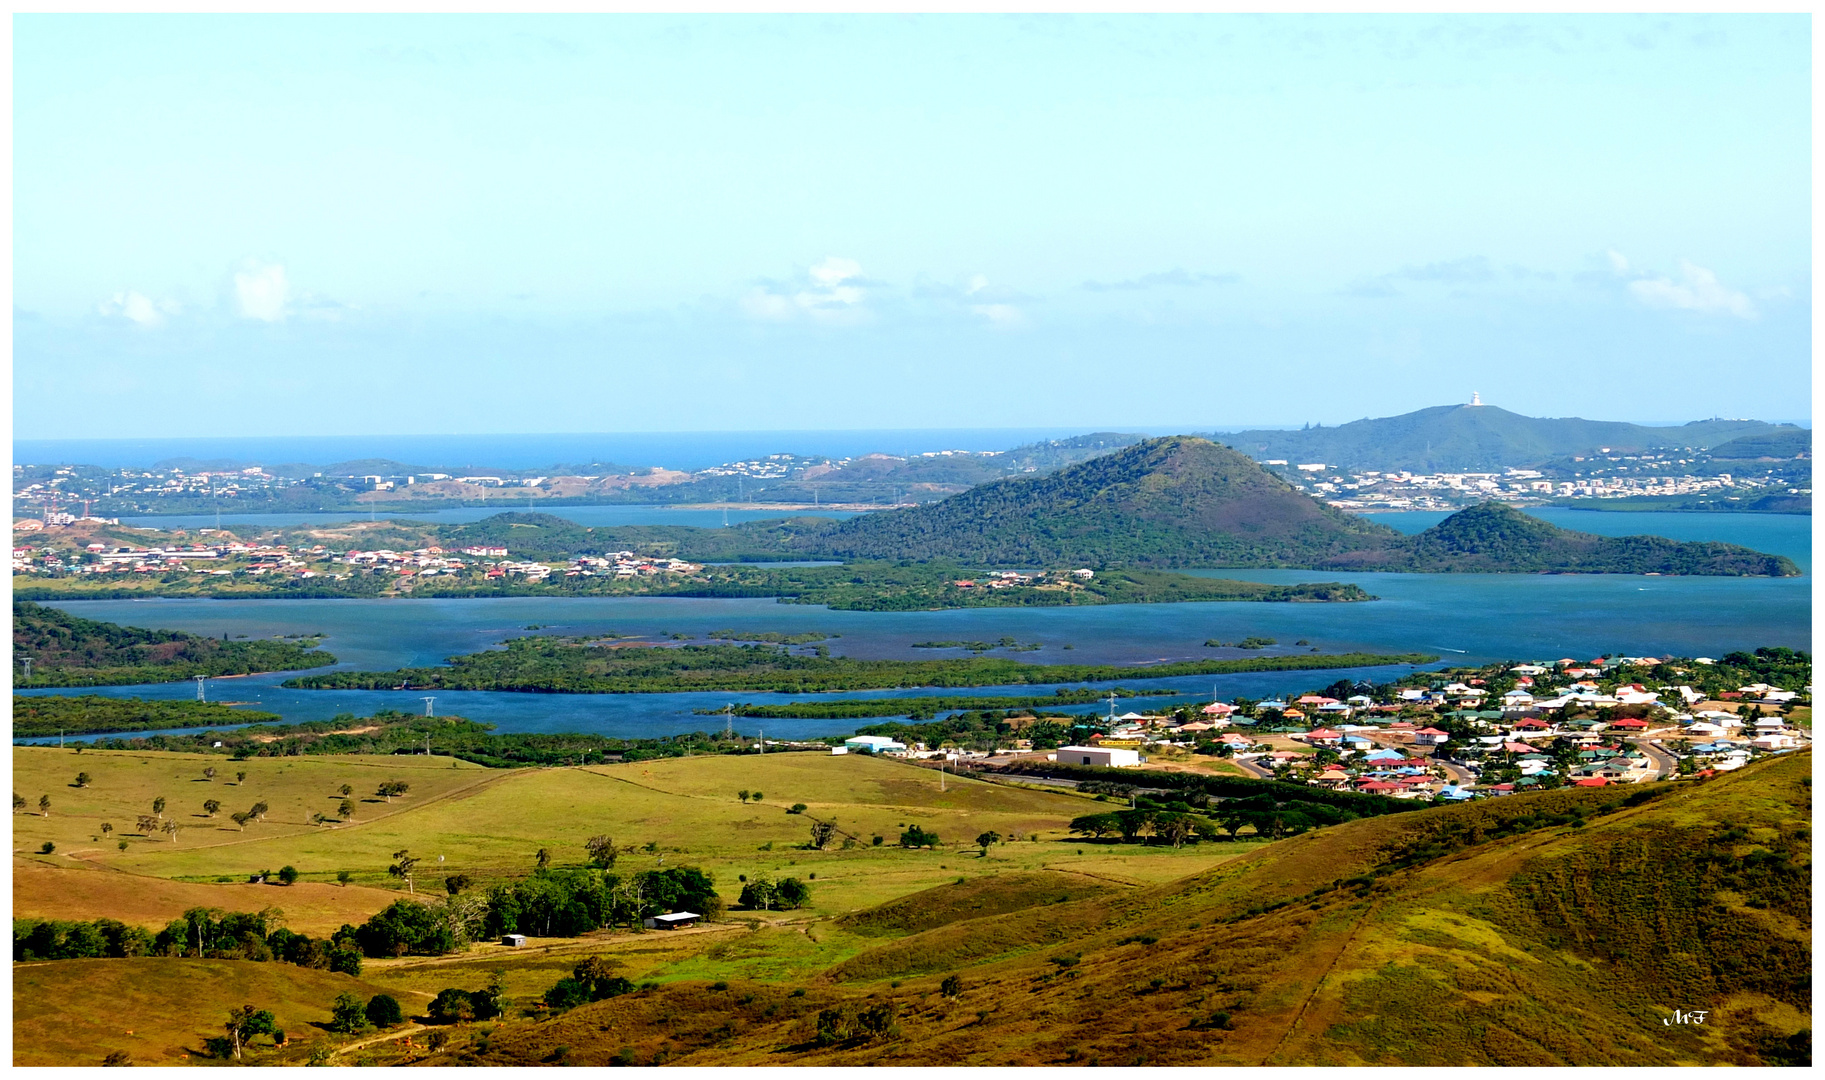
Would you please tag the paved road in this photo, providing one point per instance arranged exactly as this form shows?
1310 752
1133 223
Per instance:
1665 764
1253 769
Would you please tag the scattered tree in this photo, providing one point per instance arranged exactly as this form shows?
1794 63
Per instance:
246 1022
158 807
917 837
18 802
171 829
951 987
821 833
543 858
82 779
602 851
986 839
117 1058
343 877
348 1015
44 805
797 808
212 807
345 790
287 875
241 819
452 1006
383 1011
258 810
209 772
106 828
755 796
347 809
240 778
456 883
742 795
403 862
46 848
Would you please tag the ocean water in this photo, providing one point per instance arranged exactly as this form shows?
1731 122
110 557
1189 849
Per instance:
671 450
1463 618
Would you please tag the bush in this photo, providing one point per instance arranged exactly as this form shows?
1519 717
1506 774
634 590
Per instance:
349 1015
49 847
452 1006
406 926
567 993
287 875
383 1011
797 808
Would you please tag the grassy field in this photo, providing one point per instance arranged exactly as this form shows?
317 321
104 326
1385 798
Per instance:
159 1011
490 823
1541 929
494 821
123 785
84 892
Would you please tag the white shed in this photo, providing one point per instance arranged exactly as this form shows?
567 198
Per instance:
1112 756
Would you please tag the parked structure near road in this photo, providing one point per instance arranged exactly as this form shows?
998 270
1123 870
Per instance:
1112 756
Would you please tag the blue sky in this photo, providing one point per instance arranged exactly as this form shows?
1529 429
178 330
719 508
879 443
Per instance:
337 225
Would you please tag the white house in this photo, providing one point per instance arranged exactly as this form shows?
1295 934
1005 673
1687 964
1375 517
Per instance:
871 744
1111 756
1772 741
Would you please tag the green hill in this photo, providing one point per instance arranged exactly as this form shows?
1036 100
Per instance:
1561 928
1783 443
1178 501
1497 538
1185 501
1473 438
70 651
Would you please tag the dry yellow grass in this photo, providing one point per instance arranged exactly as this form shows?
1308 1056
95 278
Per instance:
159 1011
83 892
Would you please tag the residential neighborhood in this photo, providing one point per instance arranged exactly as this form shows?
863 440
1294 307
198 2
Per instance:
1446 736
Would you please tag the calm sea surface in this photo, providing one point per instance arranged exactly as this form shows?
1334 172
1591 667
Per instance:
1462 617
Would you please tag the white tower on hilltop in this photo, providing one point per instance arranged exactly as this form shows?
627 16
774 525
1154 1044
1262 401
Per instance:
1475 398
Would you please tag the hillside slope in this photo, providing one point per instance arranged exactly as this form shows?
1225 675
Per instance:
71 651
1496 538
1178 501
1562 928
1472 438
1184 501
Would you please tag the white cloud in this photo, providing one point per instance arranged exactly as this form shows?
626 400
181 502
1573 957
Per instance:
261 291
833 291
1696 289
138 308
1000 314
1618 261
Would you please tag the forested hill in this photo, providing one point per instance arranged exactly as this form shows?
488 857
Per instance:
1472 438
68 651
1174 502
1179 501
1496 538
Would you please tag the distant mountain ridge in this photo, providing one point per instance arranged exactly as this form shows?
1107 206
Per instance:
1479 438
